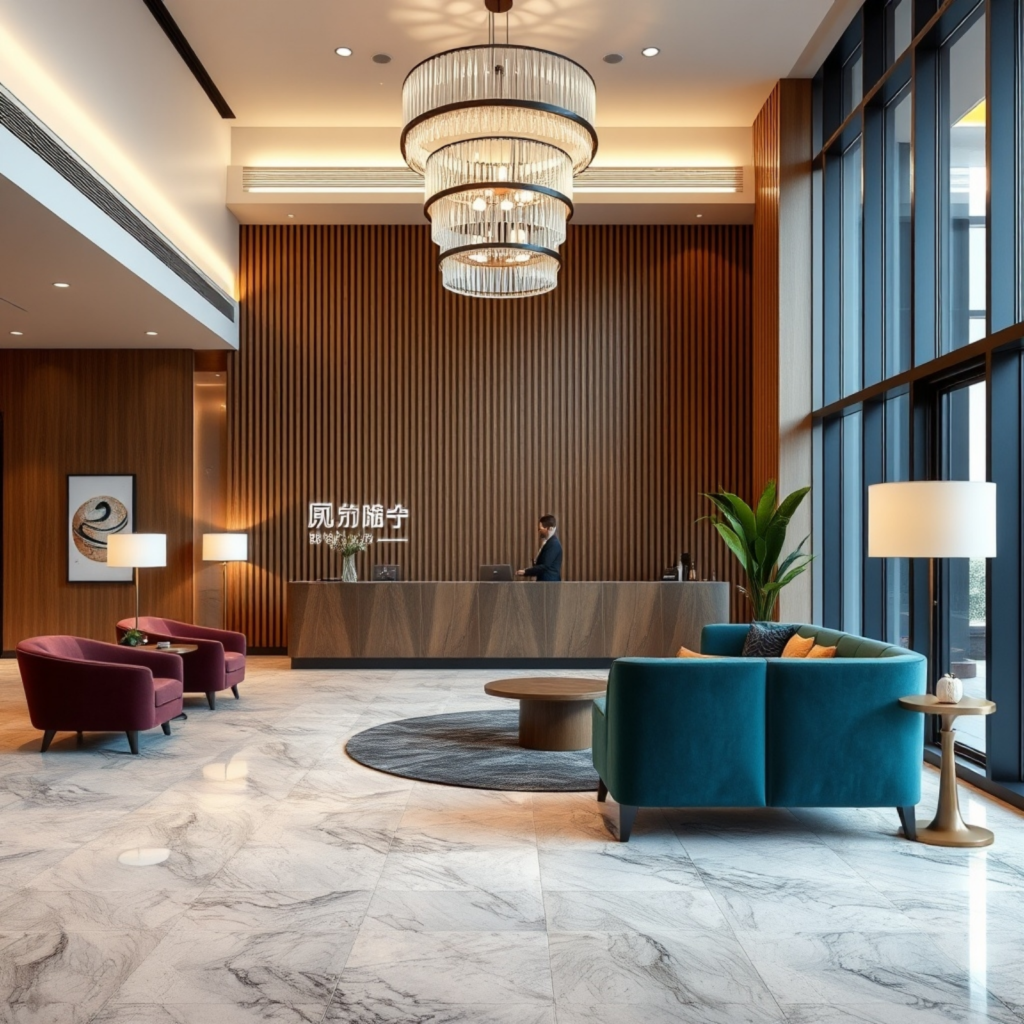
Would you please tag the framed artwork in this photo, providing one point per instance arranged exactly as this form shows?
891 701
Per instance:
98 507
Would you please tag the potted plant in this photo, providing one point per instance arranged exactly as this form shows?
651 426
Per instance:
756 538
349 544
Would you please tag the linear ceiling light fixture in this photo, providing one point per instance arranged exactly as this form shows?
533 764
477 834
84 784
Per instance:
499 131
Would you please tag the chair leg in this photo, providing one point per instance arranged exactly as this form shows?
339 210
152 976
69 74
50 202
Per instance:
47 740
908 819
80 737
627 815
133 740
166 726
234 690
602 791
211 699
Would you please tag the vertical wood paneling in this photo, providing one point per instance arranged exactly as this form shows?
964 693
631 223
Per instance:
92 412
612 402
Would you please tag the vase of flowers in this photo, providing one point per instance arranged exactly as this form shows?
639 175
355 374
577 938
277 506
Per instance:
349 545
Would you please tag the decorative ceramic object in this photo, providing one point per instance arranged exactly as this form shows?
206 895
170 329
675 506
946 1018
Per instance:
949 690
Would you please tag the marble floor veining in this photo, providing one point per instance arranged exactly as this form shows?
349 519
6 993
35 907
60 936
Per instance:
291 884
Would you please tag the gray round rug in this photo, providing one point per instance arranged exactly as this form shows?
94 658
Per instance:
474 749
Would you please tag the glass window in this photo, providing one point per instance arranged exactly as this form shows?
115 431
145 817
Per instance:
853 82
899 28
852 520
852 270
962 583
897 570
898 280
964 220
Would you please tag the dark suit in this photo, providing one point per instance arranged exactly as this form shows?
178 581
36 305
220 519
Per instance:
547 566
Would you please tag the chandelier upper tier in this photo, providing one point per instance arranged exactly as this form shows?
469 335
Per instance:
498 132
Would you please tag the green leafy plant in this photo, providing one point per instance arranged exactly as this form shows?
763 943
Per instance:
134 638
756 538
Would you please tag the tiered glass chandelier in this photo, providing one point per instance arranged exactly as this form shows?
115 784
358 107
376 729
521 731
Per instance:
499 132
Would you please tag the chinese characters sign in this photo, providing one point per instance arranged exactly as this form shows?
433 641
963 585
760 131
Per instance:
325 518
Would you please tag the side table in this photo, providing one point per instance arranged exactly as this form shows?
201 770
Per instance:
948 828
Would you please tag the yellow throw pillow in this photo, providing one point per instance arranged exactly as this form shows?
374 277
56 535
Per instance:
817 651
798 646
685 652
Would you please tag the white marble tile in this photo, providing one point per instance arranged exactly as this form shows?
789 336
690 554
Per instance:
664 970
470 910
517 867
35 910
460 967
194 964
655 864
692 909
364 1005
210 1013
275 911
677 1013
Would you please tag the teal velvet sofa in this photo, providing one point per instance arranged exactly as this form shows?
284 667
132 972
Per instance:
762 732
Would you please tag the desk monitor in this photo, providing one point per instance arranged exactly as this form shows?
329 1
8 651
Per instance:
387 573
495 573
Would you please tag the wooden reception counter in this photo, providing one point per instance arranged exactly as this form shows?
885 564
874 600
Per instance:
392 625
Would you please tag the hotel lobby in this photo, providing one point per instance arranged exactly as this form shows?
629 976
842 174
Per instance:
511 512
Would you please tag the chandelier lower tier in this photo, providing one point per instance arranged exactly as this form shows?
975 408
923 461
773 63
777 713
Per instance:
499 132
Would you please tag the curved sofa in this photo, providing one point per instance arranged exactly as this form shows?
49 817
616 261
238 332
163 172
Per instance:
76 685
762 732
219 662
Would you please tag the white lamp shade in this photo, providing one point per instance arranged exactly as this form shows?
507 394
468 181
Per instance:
137 550
932 519
225 547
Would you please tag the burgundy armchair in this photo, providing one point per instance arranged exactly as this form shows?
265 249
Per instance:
74 685
219 662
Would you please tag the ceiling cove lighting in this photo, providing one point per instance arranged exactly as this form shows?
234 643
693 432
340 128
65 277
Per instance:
499 132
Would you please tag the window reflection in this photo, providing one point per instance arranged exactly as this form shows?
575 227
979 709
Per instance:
898 281
852 515
852 270
897 570
964 220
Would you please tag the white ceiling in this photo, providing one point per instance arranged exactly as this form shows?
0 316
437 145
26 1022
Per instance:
107 305
274 60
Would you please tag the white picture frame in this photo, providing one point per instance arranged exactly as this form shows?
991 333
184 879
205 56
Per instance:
98 506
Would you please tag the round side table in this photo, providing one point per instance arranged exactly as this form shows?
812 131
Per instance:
948 828
173 649
554 712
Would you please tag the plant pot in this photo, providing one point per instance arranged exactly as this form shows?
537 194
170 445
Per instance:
348 570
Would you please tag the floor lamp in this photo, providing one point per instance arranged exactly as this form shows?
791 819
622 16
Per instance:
937 519
137 551
224 548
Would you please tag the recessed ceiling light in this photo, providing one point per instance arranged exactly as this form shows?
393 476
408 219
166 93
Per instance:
61 284
343 51
17 334
613 58
699 215
291 216
381 58
150 334
650 51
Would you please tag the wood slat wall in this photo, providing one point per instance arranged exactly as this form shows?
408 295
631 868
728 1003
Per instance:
92 412
612 402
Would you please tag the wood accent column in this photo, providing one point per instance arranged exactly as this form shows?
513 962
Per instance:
782 346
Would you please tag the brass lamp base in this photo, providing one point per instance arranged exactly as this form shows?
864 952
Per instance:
966 836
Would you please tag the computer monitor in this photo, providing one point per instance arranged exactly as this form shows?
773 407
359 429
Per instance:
387 573
495 573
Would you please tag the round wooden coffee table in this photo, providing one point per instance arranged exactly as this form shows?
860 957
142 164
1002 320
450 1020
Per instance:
554 713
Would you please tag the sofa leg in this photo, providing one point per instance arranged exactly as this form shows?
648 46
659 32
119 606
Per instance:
133 740
166 726
47 740
627 815
80 737
602 791
211 699
908 818
234 690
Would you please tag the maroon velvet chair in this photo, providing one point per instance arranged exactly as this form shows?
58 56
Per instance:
218 664
75 685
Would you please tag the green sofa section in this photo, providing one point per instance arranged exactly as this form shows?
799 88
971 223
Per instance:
757 732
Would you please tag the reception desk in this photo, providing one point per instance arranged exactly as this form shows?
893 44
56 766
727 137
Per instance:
521 624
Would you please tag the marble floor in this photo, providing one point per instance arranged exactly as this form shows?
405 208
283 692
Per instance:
244 869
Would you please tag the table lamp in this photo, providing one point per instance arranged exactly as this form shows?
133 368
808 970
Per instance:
137 551
932 519
224 548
